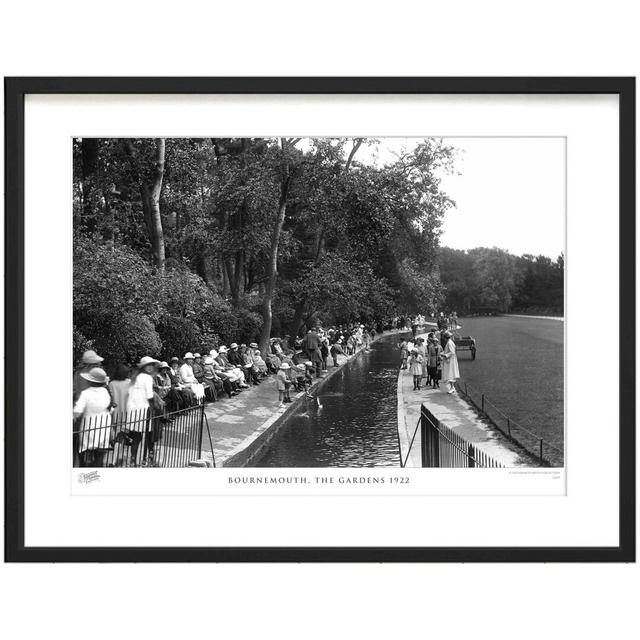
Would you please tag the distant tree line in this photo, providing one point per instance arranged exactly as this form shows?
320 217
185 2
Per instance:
491 279
184 243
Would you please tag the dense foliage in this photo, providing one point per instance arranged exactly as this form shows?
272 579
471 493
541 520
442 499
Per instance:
491 279
180 244
183 243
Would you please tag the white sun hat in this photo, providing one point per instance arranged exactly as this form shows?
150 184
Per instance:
147 360
91 357
95 375
188 356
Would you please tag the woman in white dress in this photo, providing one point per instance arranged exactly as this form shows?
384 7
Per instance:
450 371
140 405
93 409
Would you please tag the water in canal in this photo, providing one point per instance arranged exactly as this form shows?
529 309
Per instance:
520 367
357 423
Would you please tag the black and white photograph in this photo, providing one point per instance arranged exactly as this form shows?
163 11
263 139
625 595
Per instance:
352 314
306 302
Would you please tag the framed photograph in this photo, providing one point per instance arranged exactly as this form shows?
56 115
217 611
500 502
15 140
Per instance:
320 319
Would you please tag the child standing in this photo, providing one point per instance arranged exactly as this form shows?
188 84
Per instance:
404 352
415 368
284 383
434 362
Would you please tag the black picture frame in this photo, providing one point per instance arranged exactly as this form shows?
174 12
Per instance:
15 91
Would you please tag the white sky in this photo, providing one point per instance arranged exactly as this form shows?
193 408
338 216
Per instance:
510 192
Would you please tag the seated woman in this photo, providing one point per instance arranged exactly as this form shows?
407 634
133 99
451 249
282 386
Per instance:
184 396
235 374
230 387
257 359
250 372
212 384
273 363
165 389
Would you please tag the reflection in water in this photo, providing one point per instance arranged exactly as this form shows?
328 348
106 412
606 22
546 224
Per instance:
356 425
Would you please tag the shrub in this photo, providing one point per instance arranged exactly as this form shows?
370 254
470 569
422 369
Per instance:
80 345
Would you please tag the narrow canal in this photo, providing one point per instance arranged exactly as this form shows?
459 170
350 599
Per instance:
356 424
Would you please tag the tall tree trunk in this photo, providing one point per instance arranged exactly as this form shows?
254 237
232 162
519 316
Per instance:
89 147
150 195
272 273
298 317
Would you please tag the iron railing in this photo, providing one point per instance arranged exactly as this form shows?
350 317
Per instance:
140 438
442 447
547 452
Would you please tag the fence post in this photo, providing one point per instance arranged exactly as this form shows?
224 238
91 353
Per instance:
423 439
466 393
483 403
200 429
509 426
541 458
470 456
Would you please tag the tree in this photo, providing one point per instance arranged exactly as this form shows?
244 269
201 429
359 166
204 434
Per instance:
276 232
150 184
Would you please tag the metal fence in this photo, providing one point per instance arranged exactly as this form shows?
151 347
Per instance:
140 439
442 447
547 452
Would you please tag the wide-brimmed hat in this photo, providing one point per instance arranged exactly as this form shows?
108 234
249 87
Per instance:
253 345
300 366
223 349
284 365
147 360
197 355
446 334
164 365
188 356
234 345
174 359
95 375
309 363
208 360
213 353
91 357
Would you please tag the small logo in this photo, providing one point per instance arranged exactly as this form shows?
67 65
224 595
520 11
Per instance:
88 477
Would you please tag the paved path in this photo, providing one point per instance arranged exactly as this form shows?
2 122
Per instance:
456 414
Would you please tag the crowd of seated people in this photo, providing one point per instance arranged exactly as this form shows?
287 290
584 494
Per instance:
222 372
160 388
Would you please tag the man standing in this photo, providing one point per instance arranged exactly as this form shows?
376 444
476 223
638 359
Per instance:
310 343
